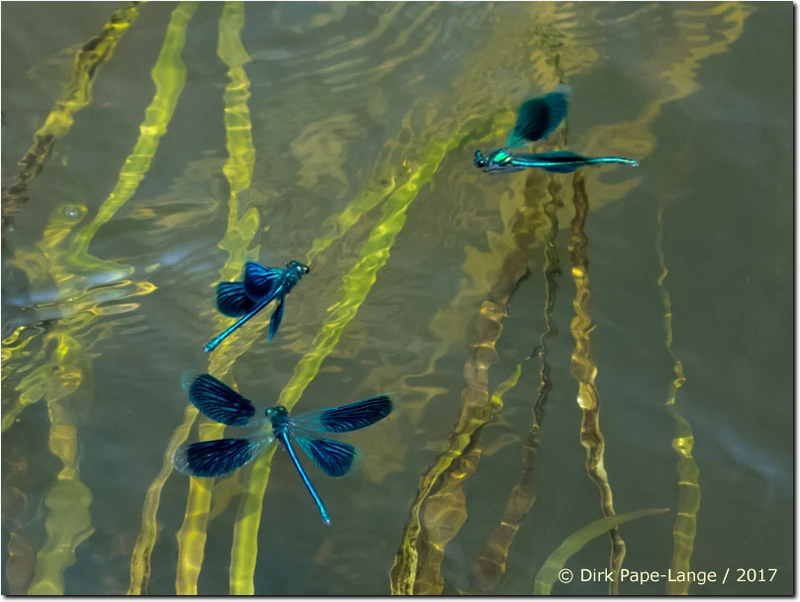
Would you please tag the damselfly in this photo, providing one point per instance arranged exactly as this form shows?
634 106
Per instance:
261 285
222 404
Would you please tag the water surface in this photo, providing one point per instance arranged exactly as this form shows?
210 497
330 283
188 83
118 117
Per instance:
342 135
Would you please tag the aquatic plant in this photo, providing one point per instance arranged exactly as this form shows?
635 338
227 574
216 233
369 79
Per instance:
56 366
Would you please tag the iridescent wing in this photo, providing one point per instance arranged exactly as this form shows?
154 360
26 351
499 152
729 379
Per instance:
218 457
334 458
345 419
261 282
219 402
539 117
232 300
555 162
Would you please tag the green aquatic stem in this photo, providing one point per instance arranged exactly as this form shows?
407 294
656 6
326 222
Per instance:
76 95
583 369
490 565
62 369
241 231
549 573
68 522
169 76
356 285
439 509
685 527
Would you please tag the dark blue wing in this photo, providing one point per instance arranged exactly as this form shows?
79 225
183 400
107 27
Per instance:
563 161
567 161
214 458
334 458
344 419
556 161
275 320
261 282
539 117
218 401
232 300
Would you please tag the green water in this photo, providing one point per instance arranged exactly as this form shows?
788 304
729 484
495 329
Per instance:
363 119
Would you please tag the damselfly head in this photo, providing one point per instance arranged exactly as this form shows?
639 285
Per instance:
276 412
301 268
480 160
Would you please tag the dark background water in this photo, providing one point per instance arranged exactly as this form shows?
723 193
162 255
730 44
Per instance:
349 97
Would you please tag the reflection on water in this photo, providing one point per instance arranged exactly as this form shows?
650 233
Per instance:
164 144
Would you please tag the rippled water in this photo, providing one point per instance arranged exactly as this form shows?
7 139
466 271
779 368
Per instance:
342 135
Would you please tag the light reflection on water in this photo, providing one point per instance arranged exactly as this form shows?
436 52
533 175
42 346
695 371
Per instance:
364 118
